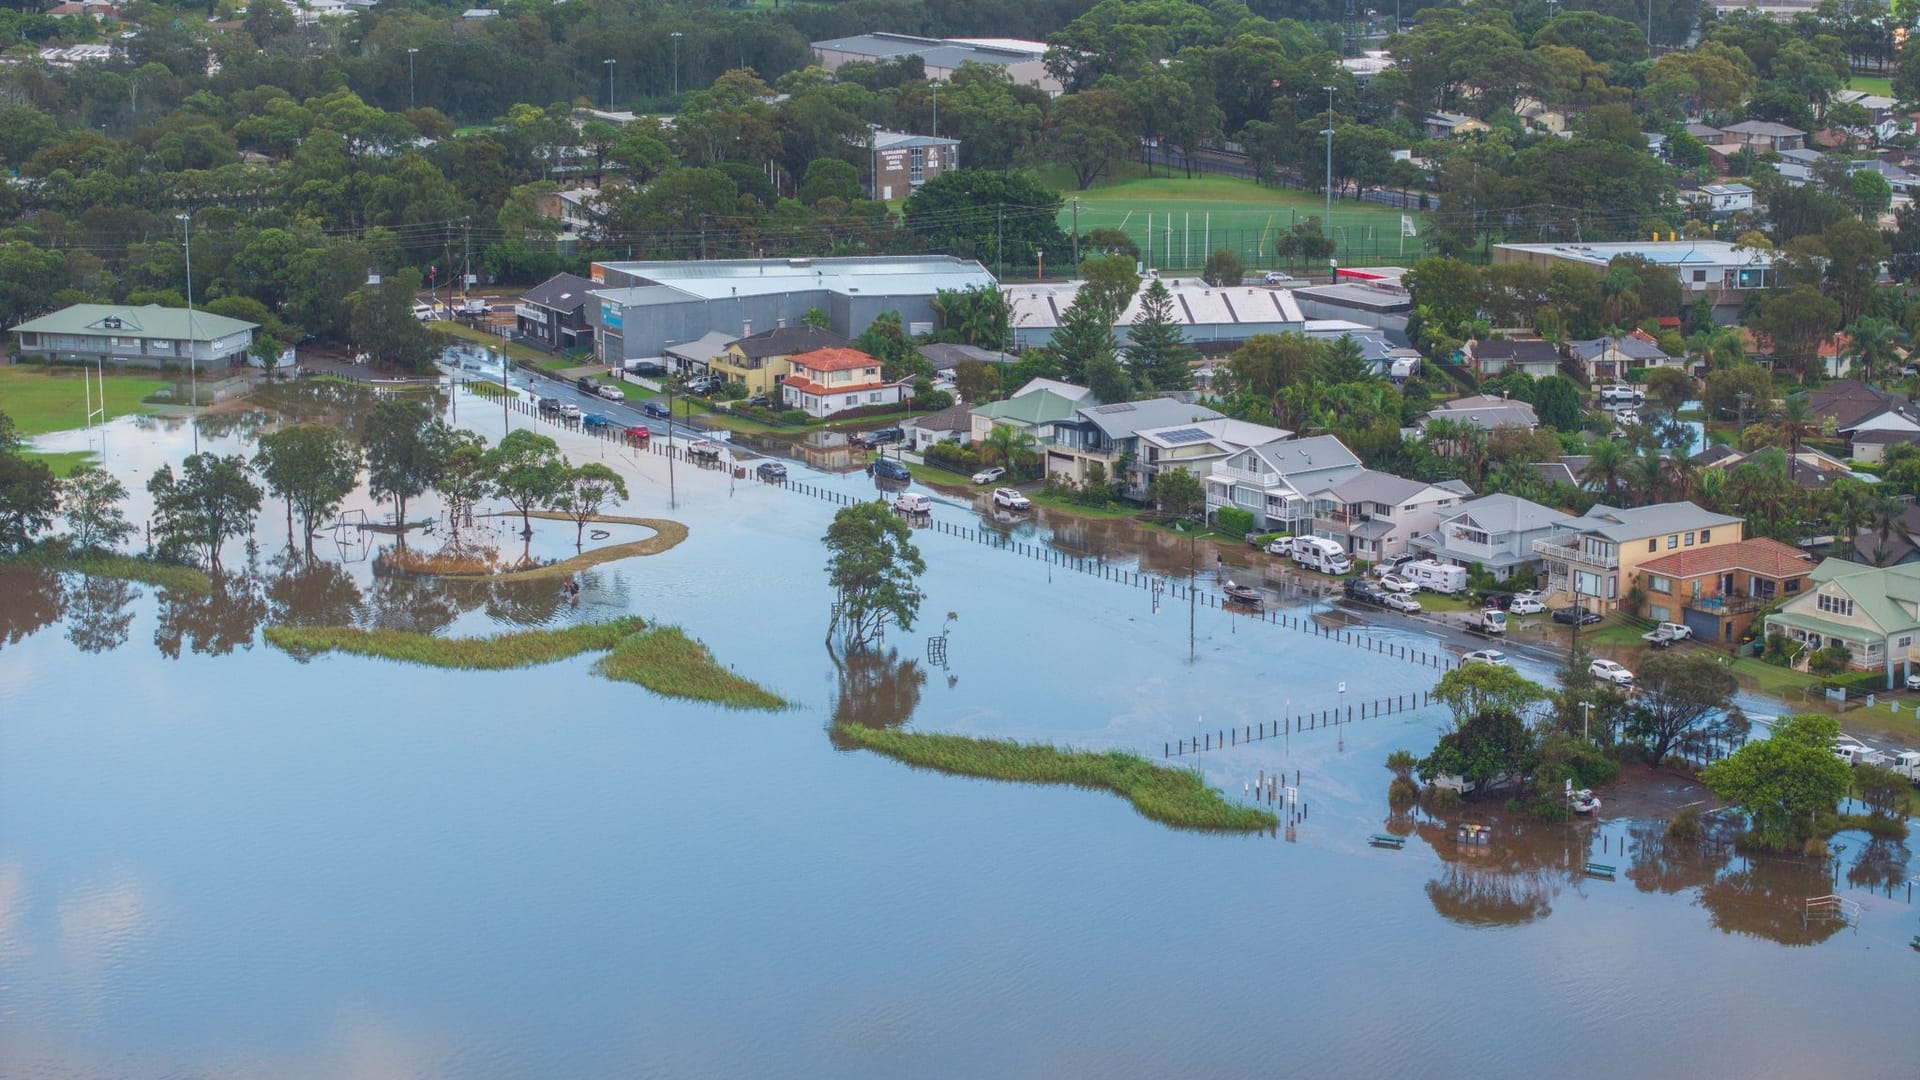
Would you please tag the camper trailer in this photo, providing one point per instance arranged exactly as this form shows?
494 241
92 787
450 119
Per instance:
1316 553
1436 577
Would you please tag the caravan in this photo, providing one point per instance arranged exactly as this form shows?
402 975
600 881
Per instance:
1316 553
1436 577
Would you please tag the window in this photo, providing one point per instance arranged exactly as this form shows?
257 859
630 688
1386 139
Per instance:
1763 589
1792 585
1905 642
918 166
1660 584
1838 605
1653 545
1689 539
874 397
853 399
1472 536
1673 541
1706 536
1699 275
1659 614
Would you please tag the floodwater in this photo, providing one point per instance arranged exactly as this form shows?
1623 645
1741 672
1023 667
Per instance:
216 860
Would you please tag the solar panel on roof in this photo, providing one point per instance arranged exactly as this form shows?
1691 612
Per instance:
1182 436
1119 408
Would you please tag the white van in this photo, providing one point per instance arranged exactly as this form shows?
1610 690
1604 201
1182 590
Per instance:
1435 577
1317 553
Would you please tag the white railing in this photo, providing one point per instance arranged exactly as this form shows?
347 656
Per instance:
1264 479
531 314
1554 549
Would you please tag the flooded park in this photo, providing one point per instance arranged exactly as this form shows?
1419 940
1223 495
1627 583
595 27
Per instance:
221 859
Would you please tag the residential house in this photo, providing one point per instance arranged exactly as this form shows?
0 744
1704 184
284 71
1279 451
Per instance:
1597 557
826 382
1763 136
1608 359
145 336
1273 482
1899 544
1718 591
1497 357
1373 514
1870 447
1809 468
1569 469
1872 611
1486 412
1445 125
1197 445
953 424
760 361
902 162
1108 435
944 357
690 358
1494 532
553 314
1850 408
1031 410
1714 270
1725 200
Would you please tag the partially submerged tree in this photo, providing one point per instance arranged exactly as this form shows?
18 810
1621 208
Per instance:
29 495
1784 783
873 566
1178 493
313 467
405 446
463 478
1682 698
212 501
90 499
526 470
1472 689
583 491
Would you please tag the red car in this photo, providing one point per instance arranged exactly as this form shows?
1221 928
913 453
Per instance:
638 434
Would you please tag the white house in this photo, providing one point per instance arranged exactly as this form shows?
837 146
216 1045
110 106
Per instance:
1721 199
826 382
1373 514
1273 482
1495 531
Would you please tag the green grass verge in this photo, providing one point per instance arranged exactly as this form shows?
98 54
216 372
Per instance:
668 662
112 565
41 399
500 652
933 474
64 462
1174 797
1059 502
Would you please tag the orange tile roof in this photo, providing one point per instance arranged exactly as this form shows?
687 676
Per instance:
833 360
808 386
1763 556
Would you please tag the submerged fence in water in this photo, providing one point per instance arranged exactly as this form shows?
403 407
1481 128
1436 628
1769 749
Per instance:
1309 721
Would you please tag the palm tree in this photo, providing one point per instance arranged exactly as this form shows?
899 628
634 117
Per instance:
1796 416
1875 346
1607 467
1889 519
1647 477
1849 507
1010 446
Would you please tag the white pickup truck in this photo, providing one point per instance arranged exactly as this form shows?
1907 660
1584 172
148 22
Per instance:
1666 634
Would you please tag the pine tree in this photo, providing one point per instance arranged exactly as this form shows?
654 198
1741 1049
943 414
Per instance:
1157 352
1085 336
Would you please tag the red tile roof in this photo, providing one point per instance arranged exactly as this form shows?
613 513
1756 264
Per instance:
1763 556
833 360
808 386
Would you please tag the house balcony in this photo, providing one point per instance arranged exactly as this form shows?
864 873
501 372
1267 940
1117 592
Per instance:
1248 476
531 314
1557 551
1724 606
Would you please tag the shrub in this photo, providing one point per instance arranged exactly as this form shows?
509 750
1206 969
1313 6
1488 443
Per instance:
1684 825
730 391
952 457
1834 657
1233 520
1402 792
1444 799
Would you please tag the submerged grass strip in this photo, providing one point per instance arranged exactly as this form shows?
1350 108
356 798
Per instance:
523 648
668 662
666 534
1170 796
113 565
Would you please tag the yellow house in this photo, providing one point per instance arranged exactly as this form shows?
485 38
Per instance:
1597 558
760 362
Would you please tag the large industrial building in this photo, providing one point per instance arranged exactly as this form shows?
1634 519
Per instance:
1721 272
1206 314
644 307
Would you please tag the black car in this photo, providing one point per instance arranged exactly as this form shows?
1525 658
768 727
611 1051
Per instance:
656 407
1573 616
649 368
588 384
771 471
889 469
548 406
883 436
1365 591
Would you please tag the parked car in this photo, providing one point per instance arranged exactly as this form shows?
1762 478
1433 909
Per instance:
1621 392
889 469
702 384
1275 277
912 503
1401 602
587 384
1913 681
1485 656
1575 616
1526 605
613 393
649 368
1664 635
1608 671
1391 566
771 471
881 436
593 421
656 408
569 411
1281 546
988 476
1394 583
549 406
758 401
423 312
1011 499
639 435
1364 591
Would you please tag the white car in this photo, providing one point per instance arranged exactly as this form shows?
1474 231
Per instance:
612 393
1394 583
1401 602
1011 499
1485 656
1608 671
571 412
1526 605
1275 277
910 503
988 476
1913 682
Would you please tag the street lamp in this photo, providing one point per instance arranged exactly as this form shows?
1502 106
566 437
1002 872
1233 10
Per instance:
609 63
676 35
1585 719
193 373
1329 134
410 53
934 87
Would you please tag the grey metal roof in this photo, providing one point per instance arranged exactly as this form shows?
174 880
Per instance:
703 348
1368 485
945 356
1319 453
1761 127
1498 514
1373 529
951 418
146 321
1637 523
789 341
876 275
936 52
561 292
1121 420
904 140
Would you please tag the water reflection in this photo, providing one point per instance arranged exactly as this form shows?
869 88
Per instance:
877 690
97 612
1880 866
211 623
30 601
304 592
1665 864
1510 879
417 604
1767 898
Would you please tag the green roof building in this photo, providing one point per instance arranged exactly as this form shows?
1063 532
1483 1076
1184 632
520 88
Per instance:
145 336
1874 611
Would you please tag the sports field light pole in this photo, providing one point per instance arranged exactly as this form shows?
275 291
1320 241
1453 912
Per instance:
1329 134
609 62
410 52
677 35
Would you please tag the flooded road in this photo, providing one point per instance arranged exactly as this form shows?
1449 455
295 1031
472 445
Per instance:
218 860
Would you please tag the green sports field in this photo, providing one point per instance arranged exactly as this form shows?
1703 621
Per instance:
1871 84
1190 217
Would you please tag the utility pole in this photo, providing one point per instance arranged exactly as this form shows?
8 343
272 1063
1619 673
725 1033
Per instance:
466 256
1076 231
676 60
1193 589
935 88
1329 134
410 52
1000 238
609 65
672 498
193 358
